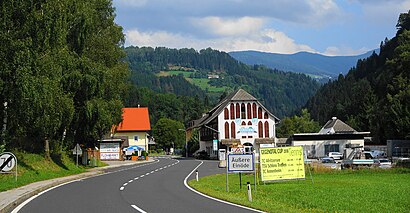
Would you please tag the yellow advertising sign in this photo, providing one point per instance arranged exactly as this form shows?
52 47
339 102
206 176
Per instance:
282 163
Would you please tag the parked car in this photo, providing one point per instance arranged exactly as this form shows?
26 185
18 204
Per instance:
385 163
335 155
202 155
328 160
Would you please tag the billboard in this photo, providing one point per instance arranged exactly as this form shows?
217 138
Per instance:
282 163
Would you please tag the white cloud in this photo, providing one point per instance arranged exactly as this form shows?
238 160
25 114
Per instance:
381 11
228 27
344 51
267 40
131 3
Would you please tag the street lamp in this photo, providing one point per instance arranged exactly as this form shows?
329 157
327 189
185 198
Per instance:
186 143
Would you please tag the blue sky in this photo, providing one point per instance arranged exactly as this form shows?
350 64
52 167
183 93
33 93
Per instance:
330 27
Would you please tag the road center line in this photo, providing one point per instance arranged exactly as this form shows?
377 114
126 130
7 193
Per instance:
122 188
138 209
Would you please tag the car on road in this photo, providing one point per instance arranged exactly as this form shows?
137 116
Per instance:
335 155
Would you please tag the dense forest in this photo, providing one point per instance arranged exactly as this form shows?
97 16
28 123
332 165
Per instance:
282 93
62 80
375 95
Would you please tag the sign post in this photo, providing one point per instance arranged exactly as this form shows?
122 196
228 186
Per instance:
239 162
7 162
77 151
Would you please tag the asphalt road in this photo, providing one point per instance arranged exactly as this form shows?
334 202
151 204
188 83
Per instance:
153 187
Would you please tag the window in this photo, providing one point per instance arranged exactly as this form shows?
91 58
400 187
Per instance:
249 110
266 129
331 148
266 116
260 129
254 110
249 123
243 123
250 136
136 138
238 111
226 114
233 133
226 130
232 112
259 113
243 113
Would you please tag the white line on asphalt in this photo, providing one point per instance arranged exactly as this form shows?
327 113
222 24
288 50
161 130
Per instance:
122 188
147 174
212 198
136 178
142 175
152 172
138 209
130 181
156 170
125 184
19 207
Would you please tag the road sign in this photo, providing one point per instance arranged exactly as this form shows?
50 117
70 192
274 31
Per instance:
77 150
7 162
240 163
215 145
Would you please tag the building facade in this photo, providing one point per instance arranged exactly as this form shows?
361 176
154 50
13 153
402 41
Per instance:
239 119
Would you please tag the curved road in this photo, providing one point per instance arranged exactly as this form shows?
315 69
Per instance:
152 187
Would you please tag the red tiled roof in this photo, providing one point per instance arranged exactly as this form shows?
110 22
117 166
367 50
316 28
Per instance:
134 119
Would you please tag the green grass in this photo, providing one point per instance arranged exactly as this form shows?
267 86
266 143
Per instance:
337 191
34 167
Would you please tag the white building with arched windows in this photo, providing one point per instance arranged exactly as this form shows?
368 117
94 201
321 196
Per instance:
238 119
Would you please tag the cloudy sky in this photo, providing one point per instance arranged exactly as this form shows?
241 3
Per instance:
330 27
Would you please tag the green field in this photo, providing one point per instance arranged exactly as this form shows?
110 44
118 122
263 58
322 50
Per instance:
337 191
34 167
200 82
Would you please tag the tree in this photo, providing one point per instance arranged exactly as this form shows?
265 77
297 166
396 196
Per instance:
297 124
167 134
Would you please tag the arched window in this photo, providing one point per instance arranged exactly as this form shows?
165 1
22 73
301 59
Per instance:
259 113
266 129
232 111
249 123
266 116
226 130
226 113
254 110
249 110
238 111
243 123
233 133
243 112
260 129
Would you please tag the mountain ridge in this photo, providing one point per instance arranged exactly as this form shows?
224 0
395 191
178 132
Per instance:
318 65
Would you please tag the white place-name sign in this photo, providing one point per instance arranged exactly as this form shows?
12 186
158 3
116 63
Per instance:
240 163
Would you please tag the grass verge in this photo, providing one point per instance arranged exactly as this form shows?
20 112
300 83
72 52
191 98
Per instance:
337 191
34 167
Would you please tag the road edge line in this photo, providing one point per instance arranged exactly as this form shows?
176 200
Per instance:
212 198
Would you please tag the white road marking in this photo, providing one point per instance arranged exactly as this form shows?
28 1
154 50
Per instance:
138 209
130 181
212 198
125 184
156 170
122 188
152 172
136 178
147 174
142 175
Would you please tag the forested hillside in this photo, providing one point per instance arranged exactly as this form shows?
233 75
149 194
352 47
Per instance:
374 96
211 73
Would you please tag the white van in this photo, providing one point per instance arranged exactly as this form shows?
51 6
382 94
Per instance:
335 155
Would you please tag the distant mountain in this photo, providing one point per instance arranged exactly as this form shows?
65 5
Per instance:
320 66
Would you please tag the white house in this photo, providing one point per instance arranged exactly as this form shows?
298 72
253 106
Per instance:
239 119
335 136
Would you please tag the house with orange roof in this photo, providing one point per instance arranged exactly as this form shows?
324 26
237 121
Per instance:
134 127
132 131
